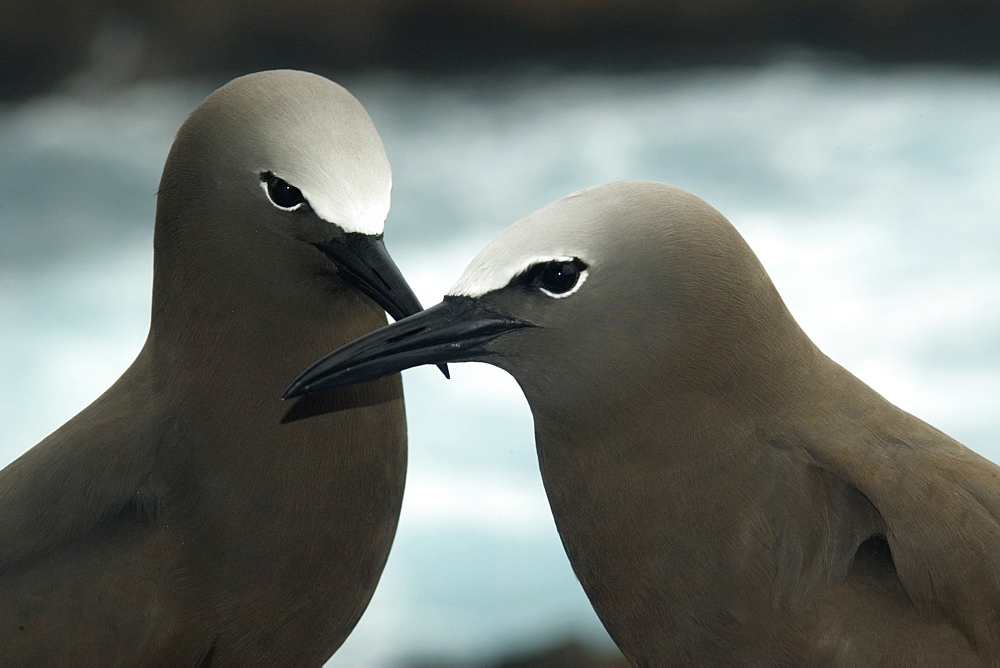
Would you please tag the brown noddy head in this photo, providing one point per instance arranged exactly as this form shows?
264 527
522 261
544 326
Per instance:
287 158
614 288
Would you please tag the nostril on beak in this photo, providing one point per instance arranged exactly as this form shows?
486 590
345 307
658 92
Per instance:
406 335
385 283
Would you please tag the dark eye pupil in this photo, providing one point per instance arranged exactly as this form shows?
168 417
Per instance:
281 192
559 277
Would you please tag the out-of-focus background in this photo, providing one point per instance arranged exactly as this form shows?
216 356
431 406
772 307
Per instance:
855 144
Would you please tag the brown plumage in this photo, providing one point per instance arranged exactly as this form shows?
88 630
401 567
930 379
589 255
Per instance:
726 493
188 516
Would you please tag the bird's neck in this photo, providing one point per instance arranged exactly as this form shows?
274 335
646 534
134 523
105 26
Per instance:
234 321
700 503
280 488
258 298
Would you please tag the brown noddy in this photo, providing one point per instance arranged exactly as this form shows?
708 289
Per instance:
188 516
726 493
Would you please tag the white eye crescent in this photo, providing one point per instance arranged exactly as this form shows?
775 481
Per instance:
558 278
282 194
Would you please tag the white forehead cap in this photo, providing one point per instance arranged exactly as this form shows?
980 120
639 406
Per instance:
341 168
316 136
558 231
599 225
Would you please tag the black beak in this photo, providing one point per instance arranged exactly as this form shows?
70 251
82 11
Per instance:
453 331
365 263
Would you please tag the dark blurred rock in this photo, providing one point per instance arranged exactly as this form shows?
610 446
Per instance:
44 41
570 653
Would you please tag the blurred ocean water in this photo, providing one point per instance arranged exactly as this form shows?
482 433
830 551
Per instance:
871 196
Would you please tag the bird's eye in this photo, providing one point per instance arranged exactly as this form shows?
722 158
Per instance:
559 278
282 194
